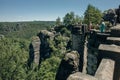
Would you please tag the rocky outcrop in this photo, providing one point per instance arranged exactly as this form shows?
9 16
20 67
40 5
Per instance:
78 40
95 39
44 36
34 53
68 65
102 45
99 46
39 47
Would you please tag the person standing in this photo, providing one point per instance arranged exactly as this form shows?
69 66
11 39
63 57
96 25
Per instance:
102 27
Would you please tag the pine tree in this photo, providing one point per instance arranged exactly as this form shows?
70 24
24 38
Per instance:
92 14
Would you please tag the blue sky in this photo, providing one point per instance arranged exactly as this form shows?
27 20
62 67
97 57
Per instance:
48 10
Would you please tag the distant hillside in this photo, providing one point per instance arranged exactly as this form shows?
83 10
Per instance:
23 29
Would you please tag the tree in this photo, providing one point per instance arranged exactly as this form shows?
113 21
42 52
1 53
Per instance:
58 21
92 14
69 19
13 59
78 19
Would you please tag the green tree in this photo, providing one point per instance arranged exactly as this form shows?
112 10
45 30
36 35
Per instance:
13 59
69 19
58 21
78 20
92 14
48 68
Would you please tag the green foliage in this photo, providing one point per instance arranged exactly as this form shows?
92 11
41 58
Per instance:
58 21
71 19
58 45
13 59
92 14
49 68
23 29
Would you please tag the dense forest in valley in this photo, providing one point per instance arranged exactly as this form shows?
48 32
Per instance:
23 29
14 46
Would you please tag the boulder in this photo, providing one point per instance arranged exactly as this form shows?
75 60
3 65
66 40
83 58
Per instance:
68 65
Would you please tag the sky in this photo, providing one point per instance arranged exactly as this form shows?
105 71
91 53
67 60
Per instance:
48 10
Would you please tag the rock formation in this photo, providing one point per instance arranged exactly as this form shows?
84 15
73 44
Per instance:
39 47
44 36
103 57
34 53
102 51
78 40
68 65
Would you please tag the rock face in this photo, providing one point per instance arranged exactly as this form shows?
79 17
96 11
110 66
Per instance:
39 47
112 15
97 48
36 47
92 53
94 41
34 53
44 35
78 40
69 65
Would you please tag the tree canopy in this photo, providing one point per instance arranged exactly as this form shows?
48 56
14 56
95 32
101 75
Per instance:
58 21
92 14
71 19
